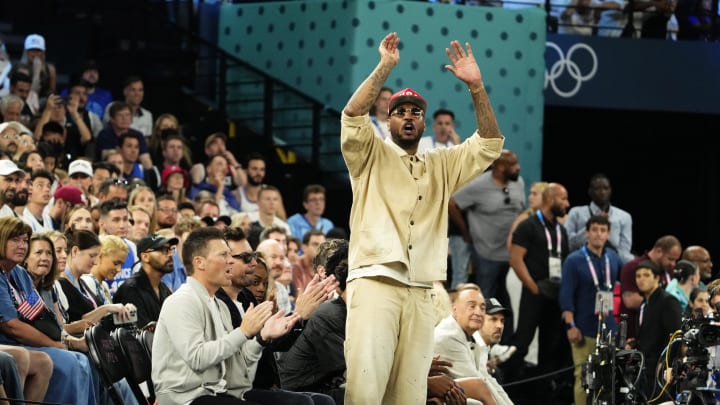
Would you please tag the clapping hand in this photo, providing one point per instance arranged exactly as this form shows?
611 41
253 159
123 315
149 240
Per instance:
315 294
255 318
278 325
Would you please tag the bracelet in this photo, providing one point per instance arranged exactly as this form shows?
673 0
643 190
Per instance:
478 90
262 341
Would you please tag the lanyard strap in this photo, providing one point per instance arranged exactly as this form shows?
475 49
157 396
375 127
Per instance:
548 236
79 286
592 269
17 296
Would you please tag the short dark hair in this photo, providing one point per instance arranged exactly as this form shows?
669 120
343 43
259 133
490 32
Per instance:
271 229
337 263
254 156
111 168
313 189
16 77
443 111
116 106
196 244
52 127
234 233
309 234
647 264
128 135
112 205
131 79
186 205
597 219
167 197
42 173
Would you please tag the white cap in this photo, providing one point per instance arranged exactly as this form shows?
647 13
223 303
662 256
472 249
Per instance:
80 166
8 167
35 41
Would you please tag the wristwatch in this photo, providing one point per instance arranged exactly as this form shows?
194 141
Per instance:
570 325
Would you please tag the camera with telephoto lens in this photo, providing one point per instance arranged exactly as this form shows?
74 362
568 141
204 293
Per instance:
691 364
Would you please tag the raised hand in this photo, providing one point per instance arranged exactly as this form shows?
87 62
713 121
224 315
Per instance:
255 318
388 49
464 66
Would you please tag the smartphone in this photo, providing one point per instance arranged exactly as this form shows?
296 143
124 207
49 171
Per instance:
118 321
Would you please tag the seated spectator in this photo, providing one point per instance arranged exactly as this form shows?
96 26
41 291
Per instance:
78 218
101 172
167 212
20 83
182 229
114 219
76 299
144 289
167 144
39 197
249 193
215 145
314 204
113 252
112 189
32 160
303 271
215 182
293 250
454 342
266 215
316 361
174 181
76 133
186 209
224 377
11 107
72 380
43 73
143 196
129 147
98 97
109 138
140 223
134 94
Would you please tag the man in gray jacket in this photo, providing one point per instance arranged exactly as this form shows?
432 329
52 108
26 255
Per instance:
198 357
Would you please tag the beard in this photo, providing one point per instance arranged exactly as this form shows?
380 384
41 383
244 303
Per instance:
20 198
512 176
558 211
255 180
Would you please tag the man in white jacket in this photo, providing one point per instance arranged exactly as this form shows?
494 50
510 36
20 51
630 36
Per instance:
455 343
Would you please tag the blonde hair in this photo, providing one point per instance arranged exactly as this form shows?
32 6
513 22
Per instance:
111 244
236 219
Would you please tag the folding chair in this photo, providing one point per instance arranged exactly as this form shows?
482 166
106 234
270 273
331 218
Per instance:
146 338
107 359
138 364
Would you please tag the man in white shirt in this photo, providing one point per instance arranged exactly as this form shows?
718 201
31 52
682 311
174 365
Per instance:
11 178
444 135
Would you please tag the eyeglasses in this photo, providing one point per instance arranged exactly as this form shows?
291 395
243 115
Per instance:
246 257
9 136
164 250
506 191
415 112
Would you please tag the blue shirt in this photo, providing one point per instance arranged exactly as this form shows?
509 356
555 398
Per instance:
8 311
578 291
178 276
674 289
126 270
299 225
620 228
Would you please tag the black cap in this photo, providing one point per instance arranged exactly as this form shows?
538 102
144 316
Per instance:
492 306
154 241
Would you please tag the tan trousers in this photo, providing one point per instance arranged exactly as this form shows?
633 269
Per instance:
580 353
388 342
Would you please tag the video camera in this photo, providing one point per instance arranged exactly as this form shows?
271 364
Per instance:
612 375
691 365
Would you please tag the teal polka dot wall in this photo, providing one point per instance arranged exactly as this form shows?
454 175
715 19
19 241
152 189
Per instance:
327 48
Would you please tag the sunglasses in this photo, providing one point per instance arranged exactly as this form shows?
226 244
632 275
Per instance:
415 112
246 257
506 191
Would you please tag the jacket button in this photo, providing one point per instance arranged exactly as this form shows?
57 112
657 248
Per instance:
410 247
419 197
412 222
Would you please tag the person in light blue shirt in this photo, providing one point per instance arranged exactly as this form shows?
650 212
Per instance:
314 203
686 277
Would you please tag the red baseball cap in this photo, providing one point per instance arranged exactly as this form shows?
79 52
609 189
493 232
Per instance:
70 194
407 96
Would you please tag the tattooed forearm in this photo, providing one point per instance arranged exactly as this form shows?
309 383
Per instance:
486 121
364 97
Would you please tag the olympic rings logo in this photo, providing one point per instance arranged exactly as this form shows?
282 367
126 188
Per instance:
567 63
